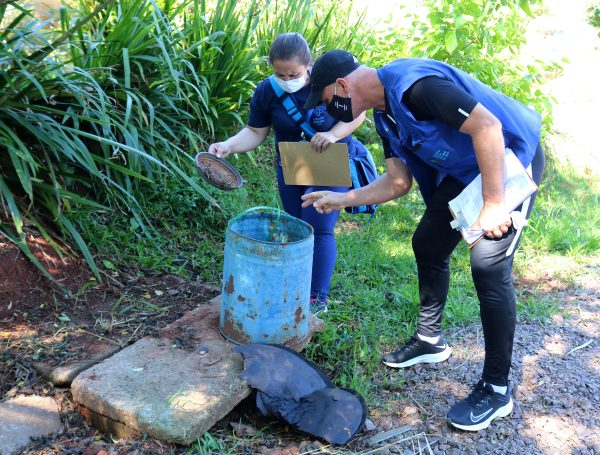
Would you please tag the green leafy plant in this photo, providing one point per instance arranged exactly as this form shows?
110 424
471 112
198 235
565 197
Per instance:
89 114
123 94
594 15
207 444
484 39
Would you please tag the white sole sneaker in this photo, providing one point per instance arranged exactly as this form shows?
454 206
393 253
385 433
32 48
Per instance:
500 412
426 358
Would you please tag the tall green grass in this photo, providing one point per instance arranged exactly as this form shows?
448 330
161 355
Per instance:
98 131
567 213
121 96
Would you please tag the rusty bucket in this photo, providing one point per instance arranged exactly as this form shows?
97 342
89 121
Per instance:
266 278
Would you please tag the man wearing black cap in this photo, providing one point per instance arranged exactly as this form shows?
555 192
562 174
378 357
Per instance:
442 127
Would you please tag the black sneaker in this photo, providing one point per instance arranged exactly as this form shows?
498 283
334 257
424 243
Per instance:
417 351
483 405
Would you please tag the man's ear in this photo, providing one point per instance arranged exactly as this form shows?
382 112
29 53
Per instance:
344 84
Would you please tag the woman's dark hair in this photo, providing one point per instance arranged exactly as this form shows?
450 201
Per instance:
290 46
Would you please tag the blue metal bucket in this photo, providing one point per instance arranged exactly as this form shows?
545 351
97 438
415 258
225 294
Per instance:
266 278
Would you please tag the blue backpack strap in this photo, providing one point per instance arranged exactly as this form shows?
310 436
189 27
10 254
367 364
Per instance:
362 172
292 109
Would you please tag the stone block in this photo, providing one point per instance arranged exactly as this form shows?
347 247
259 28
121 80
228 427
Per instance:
174 387
26 417
170 393
63 375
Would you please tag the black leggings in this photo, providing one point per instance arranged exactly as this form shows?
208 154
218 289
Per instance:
433 242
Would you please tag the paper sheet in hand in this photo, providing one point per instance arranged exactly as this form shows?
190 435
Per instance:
465 207
303 166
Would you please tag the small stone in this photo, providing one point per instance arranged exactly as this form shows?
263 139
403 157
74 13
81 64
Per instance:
410 411
369 425
93 449
481 447
314 447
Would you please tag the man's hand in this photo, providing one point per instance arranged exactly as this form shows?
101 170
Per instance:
325 202
494 220
320 141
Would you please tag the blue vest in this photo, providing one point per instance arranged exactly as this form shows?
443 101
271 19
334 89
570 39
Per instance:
431 149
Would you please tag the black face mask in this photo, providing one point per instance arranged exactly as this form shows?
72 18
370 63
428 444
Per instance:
340 108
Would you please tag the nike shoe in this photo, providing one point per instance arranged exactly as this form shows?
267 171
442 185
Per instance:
483 405
417 351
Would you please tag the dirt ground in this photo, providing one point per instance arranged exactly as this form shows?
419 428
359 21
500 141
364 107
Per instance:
41 322
556 369
556 372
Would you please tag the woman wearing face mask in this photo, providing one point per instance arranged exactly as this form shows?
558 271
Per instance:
291 59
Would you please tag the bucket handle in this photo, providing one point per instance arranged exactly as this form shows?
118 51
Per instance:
262 208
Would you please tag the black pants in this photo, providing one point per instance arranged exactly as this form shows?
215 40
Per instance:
433 242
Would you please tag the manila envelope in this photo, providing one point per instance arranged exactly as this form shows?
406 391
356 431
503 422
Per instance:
303 166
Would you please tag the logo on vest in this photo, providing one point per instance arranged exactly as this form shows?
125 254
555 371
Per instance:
439 156
317 117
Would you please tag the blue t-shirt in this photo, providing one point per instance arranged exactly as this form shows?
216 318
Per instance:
266 110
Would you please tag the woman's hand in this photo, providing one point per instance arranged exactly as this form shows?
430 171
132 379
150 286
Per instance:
248 138
221 149
320 141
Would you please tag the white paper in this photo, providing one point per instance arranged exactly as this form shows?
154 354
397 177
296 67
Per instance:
467 206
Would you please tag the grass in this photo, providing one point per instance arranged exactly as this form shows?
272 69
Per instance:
567 213
185 225
375 294
374 297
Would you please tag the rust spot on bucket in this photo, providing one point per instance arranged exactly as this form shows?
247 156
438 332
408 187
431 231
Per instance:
298 315
230 289
235 331
293 341
241 298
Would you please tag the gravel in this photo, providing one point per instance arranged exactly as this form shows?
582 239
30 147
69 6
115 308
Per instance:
555 379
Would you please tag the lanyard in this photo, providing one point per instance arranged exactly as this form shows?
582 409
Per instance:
292 110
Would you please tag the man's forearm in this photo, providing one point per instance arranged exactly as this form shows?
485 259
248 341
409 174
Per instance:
384 189
489 148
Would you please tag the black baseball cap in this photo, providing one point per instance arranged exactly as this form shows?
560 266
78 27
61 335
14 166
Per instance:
329 67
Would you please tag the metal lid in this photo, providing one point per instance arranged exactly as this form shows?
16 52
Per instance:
218 172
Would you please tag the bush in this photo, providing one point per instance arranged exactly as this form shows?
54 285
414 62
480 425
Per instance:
594 15
122 94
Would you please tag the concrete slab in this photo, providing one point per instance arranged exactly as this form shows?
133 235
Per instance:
167 392
26 417
174 387
63 375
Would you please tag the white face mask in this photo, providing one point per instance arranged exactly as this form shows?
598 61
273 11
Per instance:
293 85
